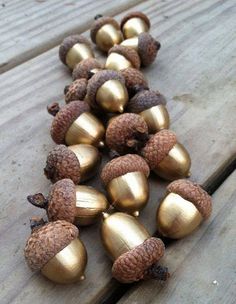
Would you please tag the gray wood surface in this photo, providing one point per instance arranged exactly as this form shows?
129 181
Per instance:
195 70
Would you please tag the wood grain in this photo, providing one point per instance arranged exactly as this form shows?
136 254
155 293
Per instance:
194 70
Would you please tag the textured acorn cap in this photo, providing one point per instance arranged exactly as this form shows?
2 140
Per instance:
99 23
144 100
83 68
124 164
193 193
158 147
45 242
147 48
134 15
129 53
62 163
98 80
76 91
64 119
134 80
68 43
126 133
133 265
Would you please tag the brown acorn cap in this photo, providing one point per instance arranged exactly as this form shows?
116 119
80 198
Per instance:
126 133
122 165
76 91
68 43
144 100
147 48
62 163
64 119
98 80
134 15
134 265
98 23
83 68
45 242
129 53
158 147
134 80
193 193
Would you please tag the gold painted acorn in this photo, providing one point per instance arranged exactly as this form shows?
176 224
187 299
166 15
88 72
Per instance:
135 253
80 205
151 106
106 90
74 49
134 81
55 250
86 68
76 90
74 124
167 157
185 206
146 46
121 57
125 179
133 24
105 32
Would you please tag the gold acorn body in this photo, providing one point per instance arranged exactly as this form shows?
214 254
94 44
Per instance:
183 209
134 23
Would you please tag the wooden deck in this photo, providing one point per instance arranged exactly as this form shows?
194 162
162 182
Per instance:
196 70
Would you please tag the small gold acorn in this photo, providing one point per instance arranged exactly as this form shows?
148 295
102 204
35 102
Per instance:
86 68
133 24
80 205
106 90
74 124
55 249
105 32
74 49
185 206
125 179
135 253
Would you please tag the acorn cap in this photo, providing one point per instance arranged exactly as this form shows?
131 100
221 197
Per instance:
144 100
124 164
126 133
193 193
98 23
68 43
129 53
45 242
133 265
62 163
134 80
134 15
158 147
98 80
64 119
147 48
76 91
83 68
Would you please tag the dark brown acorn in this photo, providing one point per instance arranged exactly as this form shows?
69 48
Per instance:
133 24
76 91
134 81
85 68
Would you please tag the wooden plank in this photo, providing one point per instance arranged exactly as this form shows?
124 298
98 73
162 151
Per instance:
202 265
201 102
29 28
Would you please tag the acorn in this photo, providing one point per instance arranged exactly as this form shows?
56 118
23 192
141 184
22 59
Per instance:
167 157
74 124
185 206
55 249
125 179
85 68
74 49
134 24
135 253
121 57
77 162
151 106
76 91
80 205
105 32
134 81
127 133
106 90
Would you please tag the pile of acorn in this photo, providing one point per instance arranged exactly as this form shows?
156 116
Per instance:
138 141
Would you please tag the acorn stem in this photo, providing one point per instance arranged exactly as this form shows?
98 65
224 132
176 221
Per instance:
53 109
113 154
139 140
157 272
38 200
98 16
36 223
